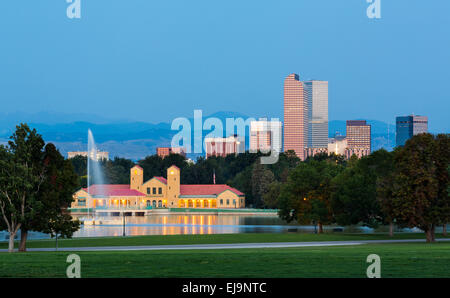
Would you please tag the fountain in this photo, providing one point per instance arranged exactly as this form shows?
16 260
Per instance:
94 172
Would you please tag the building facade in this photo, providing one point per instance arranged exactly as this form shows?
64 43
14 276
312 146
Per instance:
166 151
295 116
409 126
337 145
311 152
158 192
95 155
317 98
224 146
358 138
265 135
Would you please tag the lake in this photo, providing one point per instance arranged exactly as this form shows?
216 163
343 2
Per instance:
173 224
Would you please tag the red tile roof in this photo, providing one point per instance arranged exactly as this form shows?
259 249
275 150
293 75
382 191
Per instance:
162 179
185 189
206 189
114 190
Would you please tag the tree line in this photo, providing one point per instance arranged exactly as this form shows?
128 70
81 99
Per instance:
408 187
36 188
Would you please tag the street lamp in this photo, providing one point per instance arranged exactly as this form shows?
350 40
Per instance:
123 228
123 220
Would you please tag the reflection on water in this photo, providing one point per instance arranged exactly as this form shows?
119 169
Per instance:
196 224
185 224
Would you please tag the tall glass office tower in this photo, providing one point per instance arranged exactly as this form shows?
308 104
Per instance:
316 93
408 126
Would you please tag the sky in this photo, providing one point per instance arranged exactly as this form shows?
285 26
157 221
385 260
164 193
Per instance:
157 60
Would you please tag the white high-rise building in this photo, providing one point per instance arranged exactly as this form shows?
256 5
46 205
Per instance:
265 135
316 93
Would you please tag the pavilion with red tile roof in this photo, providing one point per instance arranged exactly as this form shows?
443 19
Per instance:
158 192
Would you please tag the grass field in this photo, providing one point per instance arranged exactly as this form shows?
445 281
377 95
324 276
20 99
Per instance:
213 239
397 260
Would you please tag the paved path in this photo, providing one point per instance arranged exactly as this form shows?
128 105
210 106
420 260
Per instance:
228 246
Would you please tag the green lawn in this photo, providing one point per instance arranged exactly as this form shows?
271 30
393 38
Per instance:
213 238
397 260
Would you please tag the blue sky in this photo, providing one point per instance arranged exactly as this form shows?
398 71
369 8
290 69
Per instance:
156 60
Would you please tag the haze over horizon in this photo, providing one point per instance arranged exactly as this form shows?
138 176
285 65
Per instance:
155 61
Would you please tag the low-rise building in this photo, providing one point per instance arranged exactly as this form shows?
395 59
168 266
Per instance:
311 152
95 155
337 145
166 151
224 146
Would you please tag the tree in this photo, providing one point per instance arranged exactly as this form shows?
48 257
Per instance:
354 199
243 182
448 194
382 164
306 197
14 188
117 171
79 164
261 179
21 177
270 198
54 197
415 194
442 162
36 187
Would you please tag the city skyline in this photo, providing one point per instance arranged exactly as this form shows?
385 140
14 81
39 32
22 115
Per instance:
122 69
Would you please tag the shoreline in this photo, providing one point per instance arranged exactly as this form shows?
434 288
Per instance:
172 211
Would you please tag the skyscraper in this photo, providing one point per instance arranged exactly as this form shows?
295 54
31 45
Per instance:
408 126
265 135
317 98
295 116
358 138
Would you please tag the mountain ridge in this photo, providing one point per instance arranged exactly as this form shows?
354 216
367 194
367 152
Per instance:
137 139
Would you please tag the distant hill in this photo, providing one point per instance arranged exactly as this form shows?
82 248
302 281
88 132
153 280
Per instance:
133 140
136 140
